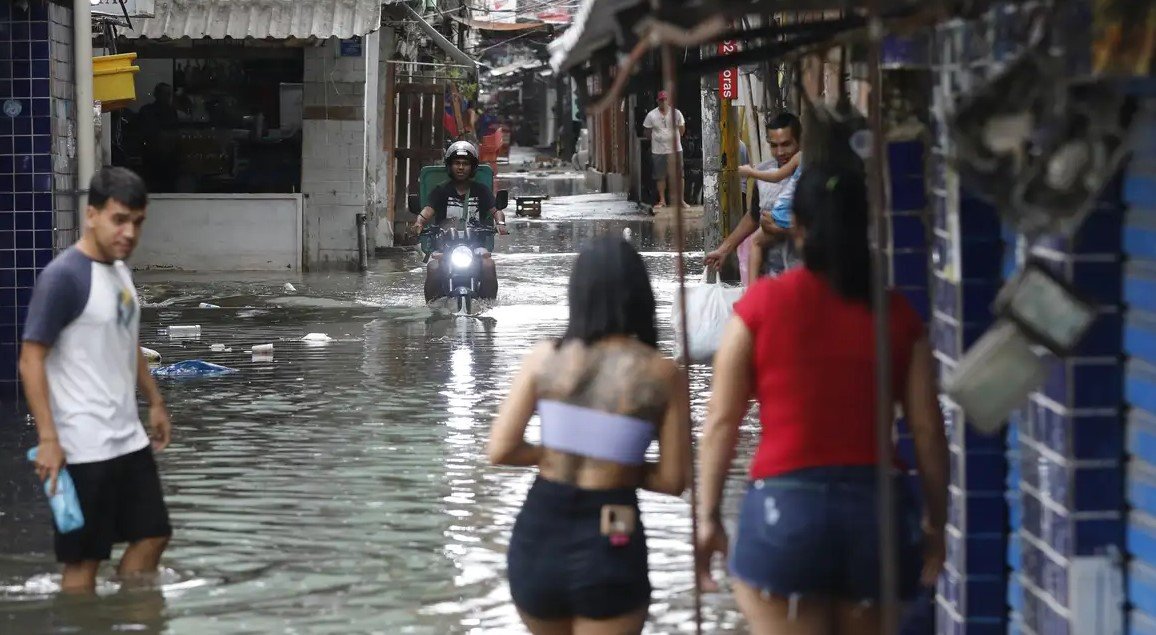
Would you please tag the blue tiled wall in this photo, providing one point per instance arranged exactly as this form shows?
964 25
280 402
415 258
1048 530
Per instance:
1139 237
26 170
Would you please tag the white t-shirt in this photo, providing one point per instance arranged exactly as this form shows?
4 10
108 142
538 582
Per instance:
663 138
88 313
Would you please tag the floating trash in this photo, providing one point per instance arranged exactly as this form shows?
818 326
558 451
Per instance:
206 305
289 288
219 348
150 355
192 331
262 348
317 337
192 368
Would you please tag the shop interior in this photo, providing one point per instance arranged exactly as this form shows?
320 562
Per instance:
217 119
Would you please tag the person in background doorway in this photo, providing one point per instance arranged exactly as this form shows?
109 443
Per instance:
806 558
155 123
784 132
577 560
81 365
665 144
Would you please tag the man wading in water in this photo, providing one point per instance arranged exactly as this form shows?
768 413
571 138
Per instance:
80 364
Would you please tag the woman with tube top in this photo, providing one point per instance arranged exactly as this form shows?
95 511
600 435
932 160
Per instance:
577 560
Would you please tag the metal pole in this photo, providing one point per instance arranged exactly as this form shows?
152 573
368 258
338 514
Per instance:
884 408
674 175
85 117
362 243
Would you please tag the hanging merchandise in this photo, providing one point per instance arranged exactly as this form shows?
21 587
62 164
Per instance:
1083 151
993 127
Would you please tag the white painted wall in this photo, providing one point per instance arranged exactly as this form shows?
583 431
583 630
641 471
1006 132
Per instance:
222 232
333 170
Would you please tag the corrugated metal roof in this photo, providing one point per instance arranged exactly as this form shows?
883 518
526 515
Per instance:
260 19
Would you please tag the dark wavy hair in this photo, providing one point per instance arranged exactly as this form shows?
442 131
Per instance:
610 294
831 205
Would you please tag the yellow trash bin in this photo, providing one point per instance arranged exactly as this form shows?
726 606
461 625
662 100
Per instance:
114 80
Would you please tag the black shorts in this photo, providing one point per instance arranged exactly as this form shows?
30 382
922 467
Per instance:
121 501
561 566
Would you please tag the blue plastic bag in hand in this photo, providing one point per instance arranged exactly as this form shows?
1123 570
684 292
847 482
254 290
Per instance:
65 505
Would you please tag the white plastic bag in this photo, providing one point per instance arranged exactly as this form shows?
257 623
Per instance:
709 307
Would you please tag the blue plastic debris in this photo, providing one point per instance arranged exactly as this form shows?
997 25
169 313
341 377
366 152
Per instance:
64 503
191 368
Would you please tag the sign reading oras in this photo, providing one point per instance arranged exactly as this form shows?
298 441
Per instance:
728 78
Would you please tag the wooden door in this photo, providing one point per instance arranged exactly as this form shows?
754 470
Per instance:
419 135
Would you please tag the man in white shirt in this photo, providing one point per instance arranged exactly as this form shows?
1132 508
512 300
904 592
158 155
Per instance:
81 365
665 143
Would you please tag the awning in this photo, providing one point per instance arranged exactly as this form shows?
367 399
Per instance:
483 25
259 19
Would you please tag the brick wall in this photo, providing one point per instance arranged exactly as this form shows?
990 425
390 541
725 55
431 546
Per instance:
333 175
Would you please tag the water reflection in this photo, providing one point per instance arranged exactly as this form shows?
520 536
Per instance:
344 487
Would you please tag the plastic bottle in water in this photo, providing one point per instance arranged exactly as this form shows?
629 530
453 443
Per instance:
64 503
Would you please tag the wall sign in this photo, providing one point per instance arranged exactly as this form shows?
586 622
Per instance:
351 47
728 78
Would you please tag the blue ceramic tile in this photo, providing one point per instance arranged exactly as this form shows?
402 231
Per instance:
42 144
21 70
908 231
22 182
22 125
41 88
7 276
41 107
25 277
39 30
23 202
40 50
42 126
42 183
41 69
42 202
43 257
7 183
22 144
25 259
910 268
20 30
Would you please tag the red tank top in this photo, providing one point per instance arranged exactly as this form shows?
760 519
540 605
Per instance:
814 369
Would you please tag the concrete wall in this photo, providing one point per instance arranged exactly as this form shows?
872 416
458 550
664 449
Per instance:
382 176
333 171
225 232
67 225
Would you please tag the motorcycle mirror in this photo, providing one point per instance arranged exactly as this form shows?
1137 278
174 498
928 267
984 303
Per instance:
414 204
502 200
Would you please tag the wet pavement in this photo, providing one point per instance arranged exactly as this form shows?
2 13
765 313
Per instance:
342 487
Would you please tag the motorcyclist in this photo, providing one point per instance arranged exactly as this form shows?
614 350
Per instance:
460 197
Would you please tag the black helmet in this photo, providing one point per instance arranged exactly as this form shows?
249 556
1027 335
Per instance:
462 150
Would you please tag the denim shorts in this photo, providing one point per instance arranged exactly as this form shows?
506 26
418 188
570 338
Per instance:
561 566
816 532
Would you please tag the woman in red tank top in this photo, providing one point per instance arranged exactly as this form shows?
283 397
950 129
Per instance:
805 559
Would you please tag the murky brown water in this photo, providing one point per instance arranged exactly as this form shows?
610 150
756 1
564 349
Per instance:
343 487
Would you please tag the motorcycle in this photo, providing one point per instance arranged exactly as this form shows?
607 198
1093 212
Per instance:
461 267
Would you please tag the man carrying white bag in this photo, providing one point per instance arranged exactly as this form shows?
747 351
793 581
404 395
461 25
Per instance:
709 306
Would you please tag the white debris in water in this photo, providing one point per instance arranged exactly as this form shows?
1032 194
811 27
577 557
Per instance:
262 349
317 337
150 355
289 288
219 348
627 234
206 305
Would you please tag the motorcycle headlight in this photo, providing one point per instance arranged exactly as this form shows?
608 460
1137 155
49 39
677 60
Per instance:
461 257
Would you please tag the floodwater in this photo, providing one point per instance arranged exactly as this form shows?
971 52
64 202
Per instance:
342 487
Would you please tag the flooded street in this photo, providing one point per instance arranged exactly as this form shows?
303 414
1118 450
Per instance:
342 487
